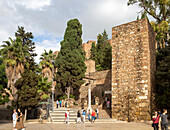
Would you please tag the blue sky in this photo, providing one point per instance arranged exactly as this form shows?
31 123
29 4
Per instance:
47 19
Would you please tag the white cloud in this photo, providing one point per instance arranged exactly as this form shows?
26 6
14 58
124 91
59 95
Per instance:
47 45
49 17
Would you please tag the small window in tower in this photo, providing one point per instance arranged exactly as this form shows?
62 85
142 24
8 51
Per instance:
116 35
138 29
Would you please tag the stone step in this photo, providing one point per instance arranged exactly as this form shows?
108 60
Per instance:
62 115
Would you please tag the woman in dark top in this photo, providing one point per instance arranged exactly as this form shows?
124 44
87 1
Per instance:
19 124
78 117
164 120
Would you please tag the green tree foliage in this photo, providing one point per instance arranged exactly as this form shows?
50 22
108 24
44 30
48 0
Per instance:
14 53
4 97
28 97
163 79
70 60
26 38
160 11
93 52
46 59
44 87
107 58
103 52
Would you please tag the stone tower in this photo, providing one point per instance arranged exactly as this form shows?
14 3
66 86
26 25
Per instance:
133 67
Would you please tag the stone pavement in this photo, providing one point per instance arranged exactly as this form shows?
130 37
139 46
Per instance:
87 126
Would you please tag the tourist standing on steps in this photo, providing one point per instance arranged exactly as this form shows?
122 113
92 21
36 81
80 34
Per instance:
14 118
89 114
97 112
82 110
155 120
60 102
93 117
57 103
164 120
78 117
84 116
67 114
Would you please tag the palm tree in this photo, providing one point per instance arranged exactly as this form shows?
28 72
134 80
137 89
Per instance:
44 88
46 64
14 55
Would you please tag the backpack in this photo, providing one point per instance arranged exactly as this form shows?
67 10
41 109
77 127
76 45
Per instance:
65 114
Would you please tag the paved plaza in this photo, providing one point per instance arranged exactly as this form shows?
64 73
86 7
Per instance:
87 126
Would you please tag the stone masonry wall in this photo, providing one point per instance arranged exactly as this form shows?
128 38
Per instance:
133 67
87 47
101 84
90 66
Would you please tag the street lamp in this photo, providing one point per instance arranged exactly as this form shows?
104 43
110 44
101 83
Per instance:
53 86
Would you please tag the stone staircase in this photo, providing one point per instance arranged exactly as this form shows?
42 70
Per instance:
58 116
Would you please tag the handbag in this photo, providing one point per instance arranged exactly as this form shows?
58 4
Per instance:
154 121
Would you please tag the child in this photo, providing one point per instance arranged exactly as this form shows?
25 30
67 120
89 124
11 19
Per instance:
93 117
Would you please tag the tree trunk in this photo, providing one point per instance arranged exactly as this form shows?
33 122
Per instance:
25 117
68 92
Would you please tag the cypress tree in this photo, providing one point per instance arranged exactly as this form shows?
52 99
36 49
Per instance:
93 52
70 60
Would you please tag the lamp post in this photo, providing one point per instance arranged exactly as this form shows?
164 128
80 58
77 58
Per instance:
89 94
53 86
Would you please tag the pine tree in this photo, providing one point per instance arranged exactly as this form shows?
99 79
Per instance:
107 58
99 49
93 52
70 60
27 38
103 52
28 96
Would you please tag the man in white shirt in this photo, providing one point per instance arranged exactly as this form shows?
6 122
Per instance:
14 118
67 117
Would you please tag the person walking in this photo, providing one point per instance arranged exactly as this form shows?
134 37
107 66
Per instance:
67 114
78 117
19 124
82 110
97 111
164 120
89 114
84 116
108 104
14 118
155 120
57 103
93 117
60 102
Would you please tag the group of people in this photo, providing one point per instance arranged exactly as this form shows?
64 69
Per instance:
17 118
160 120
81 115
61 103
